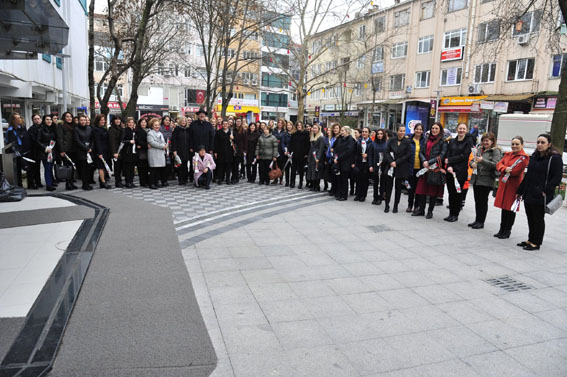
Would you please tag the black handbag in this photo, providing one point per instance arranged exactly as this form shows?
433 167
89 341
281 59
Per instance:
435 178
63 172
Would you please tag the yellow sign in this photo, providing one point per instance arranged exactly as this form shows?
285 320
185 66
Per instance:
459 101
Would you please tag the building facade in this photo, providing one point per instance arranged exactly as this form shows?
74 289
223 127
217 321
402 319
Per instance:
421 60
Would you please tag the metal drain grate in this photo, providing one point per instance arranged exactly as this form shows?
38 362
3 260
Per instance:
379 228
508 284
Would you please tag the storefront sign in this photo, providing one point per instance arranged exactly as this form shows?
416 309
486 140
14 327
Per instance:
452 54
329 107
317 111
501 107
189 109
486 105
545 103
152 108
459 101
397 94
475 107
551 102
433 109
241 102
540 103
111 105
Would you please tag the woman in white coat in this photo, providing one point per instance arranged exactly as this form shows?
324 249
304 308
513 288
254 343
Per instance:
157 149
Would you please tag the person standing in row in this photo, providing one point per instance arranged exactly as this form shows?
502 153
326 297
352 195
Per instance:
18 135
279 133
316 158
157 149
102 152
202 133
483 178
166 130
240 144
66 147
332 177
345 154
34 168
414 164
116 135
283 150
203 166
252 141
128 154
46 136
83 140
361 164
432 153
299 146
457 161
180 146
377 165
544 174
511 168
266 152
142 151
397 161
224 152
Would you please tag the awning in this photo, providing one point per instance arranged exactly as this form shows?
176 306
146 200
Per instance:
454 109
513 97
30 27
239 109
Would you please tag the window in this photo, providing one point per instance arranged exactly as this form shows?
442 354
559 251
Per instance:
173 69
557 65
378 54
451 76
187 71
529 23
250 55
399 50
397 82
250 96
484 73
488 31
188 49
455 38
425 44
200 51
273 80
380 24
274 99
427 9
160 69
59 62
119 90
401 18
455 5
521 69
253 36
276 40
357 89
362 32
316 46
422 79
360 62
101 65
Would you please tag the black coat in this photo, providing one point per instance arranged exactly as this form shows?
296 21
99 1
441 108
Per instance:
101 143
127 154
142 144
299 145
223 147
83 141
181 142
438 150
534 184
45 136
35 147
359 162
21 139
252 141
345 149
377 148
402 153
201 133
240 142
115 136
65 140
458 153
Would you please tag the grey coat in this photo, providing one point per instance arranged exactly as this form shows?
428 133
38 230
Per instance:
315 170
486 170
267 147
156 152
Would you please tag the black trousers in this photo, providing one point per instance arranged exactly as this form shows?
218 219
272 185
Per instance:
421 201
168 173
281 162
223 171
287 171
536 222
34 172
236 162
412 180
391 184
362 182
84 171
352 180
156 175
378 183
455 198
205 179
481 194
128 168
183 172
342 191
298 167
334 179
143 170
118 170
507 220
264 170
251 171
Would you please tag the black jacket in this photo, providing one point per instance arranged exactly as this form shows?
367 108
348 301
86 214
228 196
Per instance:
223 147
83 141
101 143
141 144
458 153
181 142
65 142
345 149
360 163
127 154
240 142
251 140
402 153
35 147
115 135
378 147
21 139
438 150
45 135
201 133
534 184
299 145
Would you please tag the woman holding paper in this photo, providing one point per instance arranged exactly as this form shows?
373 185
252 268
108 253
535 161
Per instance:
511 169
414 166
397 156
129 155
376 165
317 151
251 142
102 151
266 153
157 149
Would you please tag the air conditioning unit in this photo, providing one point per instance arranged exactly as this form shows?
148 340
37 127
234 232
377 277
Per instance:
246 81
475 89
523 39
254 82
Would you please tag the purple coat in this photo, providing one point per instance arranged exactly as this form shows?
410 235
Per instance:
201 164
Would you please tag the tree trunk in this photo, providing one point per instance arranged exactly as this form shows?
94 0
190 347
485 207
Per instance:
92 105
559 122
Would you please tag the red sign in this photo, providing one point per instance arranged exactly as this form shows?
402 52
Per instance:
452 54
111 105
200 96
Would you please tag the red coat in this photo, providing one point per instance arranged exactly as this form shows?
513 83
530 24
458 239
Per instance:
507 191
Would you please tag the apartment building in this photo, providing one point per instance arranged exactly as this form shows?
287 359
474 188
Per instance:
422 60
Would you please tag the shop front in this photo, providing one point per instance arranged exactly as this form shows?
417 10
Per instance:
544 104
456 110
495 105
416 112
152 111
241 108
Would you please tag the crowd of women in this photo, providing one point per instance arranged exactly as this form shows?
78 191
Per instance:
347 161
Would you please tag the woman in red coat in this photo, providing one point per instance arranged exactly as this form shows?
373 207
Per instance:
511 169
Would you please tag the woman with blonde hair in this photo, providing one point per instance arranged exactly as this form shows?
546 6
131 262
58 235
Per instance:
157 149
315 166
344 158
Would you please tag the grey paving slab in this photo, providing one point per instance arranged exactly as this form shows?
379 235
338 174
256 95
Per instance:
498 364
44 216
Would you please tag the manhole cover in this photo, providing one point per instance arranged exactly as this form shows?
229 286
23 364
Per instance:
508 284
378 228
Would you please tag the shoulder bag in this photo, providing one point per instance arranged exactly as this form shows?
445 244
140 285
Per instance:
556 202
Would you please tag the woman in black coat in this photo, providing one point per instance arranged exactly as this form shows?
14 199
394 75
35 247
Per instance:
362 153
102 151
299 145
180 146
83 143
142 151
397 158
240 145
376 165
46 140
251 141
344 158
457 160
128 153
538 188
224 152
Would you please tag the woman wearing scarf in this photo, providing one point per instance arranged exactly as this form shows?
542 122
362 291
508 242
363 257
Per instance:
316 156
377 166
102 151
283 149
335 133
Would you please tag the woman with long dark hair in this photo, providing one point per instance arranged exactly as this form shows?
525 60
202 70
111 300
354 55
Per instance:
332 177
266 153
240 144
251 141
344 158
299 145
46 138
432 153
377 165
362 166
129 155
414 165
397 159
279 133
66 146
284 151
102 151
483 177
224 152
142 151
83 145
544 174
166 130
511 168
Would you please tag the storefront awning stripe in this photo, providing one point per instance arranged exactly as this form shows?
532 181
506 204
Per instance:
504 97
455 109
